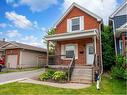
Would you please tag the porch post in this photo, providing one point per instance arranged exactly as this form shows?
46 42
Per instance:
47 52
95 44
95 50
123 40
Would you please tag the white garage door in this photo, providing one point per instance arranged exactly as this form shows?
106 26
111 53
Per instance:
12 61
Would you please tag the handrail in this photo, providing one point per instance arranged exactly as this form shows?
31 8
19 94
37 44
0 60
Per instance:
71 67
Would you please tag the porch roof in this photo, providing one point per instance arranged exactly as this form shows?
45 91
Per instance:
121 29
72 35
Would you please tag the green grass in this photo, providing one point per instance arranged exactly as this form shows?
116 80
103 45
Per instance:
18 70
108 87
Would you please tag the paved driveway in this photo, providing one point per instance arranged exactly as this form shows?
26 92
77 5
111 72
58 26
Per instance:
8 77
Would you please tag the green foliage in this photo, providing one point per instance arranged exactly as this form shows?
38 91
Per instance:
119 70
59 76
53 75
107 48
51 44
47 75
51 31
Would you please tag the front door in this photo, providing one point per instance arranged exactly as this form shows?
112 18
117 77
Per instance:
89 54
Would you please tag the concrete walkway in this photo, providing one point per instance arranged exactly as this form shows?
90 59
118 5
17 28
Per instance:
59 85
16 76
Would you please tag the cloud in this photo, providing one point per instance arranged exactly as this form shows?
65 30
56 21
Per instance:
19 21
31 40
12 2
3 25
12 33
103 8
38 5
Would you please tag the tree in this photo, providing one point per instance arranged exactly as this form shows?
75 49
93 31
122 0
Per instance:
108 54
51 44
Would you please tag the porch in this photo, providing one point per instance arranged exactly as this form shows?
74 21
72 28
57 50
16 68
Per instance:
75 52
84 45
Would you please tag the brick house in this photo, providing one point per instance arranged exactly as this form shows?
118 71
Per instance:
118 21
77 32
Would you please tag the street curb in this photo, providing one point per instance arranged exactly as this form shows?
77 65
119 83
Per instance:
13 81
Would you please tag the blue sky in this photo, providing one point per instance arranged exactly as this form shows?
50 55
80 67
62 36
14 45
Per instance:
27 21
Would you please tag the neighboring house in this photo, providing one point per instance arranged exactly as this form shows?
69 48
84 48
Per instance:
78 32
118 20
18 55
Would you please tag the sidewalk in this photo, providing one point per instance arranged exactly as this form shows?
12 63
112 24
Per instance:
59 85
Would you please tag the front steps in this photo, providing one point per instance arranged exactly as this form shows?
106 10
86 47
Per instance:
82 74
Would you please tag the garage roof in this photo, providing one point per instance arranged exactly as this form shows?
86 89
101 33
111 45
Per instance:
23 46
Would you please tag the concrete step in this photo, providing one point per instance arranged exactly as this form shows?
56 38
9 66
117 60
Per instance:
81 81
82 70
85 67
87 77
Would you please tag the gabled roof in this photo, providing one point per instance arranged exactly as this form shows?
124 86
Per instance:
117 10
2 43
81 8
24 46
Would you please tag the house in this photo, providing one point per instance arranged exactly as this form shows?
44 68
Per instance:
77 41
118 21
18 55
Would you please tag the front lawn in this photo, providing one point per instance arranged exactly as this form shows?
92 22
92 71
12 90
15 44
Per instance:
108 87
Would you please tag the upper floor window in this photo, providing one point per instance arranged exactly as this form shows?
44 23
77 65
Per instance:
75 24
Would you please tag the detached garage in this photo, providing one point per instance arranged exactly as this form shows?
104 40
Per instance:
20 55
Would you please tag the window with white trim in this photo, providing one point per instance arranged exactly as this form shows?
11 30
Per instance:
75 24
69 50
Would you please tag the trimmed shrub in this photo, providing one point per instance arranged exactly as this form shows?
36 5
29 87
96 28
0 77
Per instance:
59 76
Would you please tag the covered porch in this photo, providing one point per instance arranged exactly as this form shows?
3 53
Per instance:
84 46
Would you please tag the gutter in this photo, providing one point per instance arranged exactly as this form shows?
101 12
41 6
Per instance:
114 35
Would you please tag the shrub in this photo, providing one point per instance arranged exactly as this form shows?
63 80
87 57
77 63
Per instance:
108 48
59 76
47 75
119 70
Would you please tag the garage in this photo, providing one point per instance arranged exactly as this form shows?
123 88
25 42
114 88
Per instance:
12 61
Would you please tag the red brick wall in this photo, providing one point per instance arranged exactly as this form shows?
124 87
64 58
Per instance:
89 21
81 48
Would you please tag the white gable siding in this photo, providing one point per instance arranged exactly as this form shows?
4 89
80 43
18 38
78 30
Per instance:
123 11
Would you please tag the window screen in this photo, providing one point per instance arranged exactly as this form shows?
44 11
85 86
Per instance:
70 51
75 24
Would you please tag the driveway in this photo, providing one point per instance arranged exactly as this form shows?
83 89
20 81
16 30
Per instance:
12 77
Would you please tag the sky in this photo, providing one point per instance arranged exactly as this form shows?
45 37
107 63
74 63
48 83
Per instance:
27 21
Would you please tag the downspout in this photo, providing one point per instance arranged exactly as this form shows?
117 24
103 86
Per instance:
101 49
114 35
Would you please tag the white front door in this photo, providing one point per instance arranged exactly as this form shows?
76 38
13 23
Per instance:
89 54
12 61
